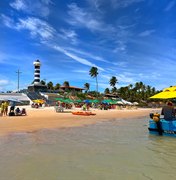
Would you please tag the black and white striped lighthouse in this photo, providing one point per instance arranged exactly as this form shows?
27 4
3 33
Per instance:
37 65
36 86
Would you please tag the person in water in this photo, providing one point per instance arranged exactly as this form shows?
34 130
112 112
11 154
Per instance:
168 111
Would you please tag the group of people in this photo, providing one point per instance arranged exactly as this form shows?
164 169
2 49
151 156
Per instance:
17 111
5 111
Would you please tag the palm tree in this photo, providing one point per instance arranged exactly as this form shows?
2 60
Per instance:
94 73
57 86
43 82
66 84
107 91
114 90
87 87
113 81
50 85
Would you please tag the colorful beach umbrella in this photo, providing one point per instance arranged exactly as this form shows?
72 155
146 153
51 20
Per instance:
167 93
39 101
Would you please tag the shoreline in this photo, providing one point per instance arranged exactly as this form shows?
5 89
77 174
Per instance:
47 118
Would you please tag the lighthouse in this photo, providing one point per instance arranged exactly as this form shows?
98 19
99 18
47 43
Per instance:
36 86
37 65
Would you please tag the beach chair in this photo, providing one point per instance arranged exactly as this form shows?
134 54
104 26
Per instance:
59 109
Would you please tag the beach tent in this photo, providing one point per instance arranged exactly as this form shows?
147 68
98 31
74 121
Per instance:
119 102
167 93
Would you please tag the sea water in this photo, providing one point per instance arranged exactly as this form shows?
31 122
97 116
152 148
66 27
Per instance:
114 150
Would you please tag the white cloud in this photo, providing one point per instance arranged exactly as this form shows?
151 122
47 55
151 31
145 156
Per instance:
3 82
7 21
36 27
170 5
89 55
40 7
146 33
80 71
123 3
113 3
78 59
81 18
69 35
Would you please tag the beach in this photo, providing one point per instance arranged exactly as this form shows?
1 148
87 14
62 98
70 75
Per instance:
47 118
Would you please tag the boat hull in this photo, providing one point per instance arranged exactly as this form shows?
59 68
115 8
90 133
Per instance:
167 127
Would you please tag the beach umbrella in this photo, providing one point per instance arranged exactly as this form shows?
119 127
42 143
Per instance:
86 101
95 101
167 93
106 101
77 101
59 99
39 101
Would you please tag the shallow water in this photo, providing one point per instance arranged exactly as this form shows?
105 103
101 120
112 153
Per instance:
118 149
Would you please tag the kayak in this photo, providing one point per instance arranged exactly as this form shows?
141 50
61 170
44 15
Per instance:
83 113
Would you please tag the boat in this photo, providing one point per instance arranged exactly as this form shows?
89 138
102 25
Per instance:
83 113
161 126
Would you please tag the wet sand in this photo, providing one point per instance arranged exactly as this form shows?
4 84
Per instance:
47 118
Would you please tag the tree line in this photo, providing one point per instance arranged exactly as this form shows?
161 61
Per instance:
138 92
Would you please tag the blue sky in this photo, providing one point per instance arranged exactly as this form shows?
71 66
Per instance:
134 40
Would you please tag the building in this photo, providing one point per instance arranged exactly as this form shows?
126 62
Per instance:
71 88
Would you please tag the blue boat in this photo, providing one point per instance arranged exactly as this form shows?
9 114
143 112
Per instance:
162 127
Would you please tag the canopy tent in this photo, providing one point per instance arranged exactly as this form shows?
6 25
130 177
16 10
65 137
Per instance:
65 100
167 93
78 101
119 102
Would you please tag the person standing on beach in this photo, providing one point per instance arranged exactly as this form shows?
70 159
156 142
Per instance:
6 104
2 108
